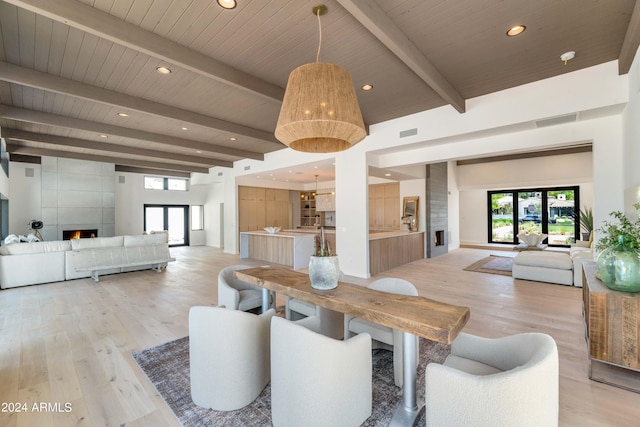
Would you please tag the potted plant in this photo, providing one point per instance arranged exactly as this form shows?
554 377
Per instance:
585 216
324 269
619 256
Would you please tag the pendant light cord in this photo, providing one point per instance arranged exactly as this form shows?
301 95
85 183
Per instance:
320 38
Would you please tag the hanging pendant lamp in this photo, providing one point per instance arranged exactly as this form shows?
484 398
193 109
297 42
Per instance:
320 111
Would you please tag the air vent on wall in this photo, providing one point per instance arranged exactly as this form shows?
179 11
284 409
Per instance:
219 173
557 120
247 168
121 179
29 172
408 132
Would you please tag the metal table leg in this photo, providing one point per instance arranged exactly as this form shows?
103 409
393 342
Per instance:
266 299
407 412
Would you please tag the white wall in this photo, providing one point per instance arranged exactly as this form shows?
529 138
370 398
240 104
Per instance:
131 197
25 195
473 182
631 123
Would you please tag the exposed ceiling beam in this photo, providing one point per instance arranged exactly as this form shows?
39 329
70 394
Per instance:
32 78
631 41
31 116
369 14
32 151
80 15
148 171
20 135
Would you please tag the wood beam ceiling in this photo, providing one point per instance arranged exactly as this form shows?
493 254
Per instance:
149 171
36 79
631 41
14 134
369 14
31 116
82 16
32 151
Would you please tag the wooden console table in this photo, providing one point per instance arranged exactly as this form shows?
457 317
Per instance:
612 321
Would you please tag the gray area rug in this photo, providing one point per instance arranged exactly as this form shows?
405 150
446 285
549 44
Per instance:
167 366
493 264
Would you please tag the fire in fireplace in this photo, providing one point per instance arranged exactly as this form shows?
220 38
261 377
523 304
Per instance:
79 234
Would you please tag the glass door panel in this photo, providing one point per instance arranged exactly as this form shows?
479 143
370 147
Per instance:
176 225
561 221
502 217
154 219
529 212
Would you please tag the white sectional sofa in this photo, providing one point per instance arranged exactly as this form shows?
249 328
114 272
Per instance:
24 264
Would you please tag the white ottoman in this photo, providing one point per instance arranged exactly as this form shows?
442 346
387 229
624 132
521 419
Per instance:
543 266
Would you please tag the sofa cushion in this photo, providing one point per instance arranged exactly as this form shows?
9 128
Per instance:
545 259
96 242
35 247
145 239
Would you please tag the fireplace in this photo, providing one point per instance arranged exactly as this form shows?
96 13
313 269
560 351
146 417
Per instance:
79 234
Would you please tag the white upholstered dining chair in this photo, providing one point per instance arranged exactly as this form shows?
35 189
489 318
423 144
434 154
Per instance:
229 356
510 381
383 336
236 294
318 381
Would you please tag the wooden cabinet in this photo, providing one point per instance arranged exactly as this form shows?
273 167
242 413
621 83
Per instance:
262 207
612 321
308 209
384 206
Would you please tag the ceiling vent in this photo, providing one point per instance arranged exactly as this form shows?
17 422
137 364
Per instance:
557 120
408 132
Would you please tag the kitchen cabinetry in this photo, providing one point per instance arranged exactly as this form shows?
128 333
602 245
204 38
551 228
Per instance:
326 200
308 209
384 206
262 207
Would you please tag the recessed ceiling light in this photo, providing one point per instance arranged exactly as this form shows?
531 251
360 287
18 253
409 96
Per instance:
367 87
184 128
227 4
123 114
514 31
387 174
163 70
233 139
102 135
199 152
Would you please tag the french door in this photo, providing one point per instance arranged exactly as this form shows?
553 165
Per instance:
174 218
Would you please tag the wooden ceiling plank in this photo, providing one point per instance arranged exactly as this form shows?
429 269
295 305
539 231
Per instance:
631 42
20 135
24 115
104 25
373 18
32 151
36 79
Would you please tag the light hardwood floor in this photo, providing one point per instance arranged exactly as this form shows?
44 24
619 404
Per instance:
71 342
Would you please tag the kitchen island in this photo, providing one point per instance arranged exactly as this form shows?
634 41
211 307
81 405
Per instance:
289 248
389 249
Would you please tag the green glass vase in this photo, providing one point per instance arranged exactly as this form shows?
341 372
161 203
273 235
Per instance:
619 266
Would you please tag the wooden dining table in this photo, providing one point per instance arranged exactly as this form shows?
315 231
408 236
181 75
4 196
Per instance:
413 315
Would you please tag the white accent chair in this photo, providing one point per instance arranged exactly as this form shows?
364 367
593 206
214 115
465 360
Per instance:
317 380
236 294
229 356
383 336
510 381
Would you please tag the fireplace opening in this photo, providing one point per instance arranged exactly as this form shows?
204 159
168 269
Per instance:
439 238
79 234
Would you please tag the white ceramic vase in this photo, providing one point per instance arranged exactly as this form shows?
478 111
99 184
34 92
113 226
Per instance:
324 272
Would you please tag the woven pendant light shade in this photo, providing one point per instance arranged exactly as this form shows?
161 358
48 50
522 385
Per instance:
320 111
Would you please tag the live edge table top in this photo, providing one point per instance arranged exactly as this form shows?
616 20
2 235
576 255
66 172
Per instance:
433 320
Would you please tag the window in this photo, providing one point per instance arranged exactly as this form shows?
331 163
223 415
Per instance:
160 183
546 210
197 217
